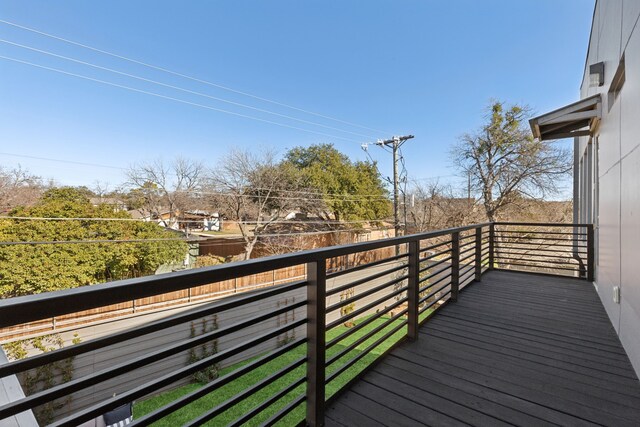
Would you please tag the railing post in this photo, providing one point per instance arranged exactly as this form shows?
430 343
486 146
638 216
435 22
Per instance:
413 293
455 265
478 264
590 253
492 239
316 324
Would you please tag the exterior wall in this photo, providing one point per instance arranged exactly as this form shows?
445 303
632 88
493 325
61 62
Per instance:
611 199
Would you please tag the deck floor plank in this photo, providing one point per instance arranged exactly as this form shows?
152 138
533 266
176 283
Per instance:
517 348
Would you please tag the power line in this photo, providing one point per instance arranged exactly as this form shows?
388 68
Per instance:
181 89
174 99
63 161
165 70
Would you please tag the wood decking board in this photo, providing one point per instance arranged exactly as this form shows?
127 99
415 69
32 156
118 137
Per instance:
517 348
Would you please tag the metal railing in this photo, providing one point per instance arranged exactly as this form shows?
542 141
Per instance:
345 320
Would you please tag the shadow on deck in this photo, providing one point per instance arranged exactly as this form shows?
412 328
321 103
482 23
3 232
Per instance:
516 349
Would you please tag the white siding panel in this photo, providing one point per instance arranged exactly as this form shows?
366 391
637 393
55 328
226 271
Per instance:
630 244
630 97
609 241
630 13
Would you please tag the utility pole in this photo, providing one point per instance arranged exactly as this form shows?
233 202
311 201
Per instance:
395 143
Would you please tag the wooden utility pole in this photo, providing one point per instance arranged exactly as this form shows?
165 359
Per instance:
395 143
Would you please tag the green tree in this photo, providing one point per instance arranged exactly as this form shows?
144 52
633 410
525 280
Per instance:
351 190
504 162
33 268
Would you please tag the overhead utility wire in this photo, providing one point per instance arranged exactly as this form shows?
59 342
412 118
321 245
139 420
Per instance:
182 89
165 70
173 99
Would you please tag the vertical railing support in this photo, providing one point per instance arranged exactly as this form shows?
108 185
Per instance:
478 263
455 265
413 293
492 240
590 253
316 333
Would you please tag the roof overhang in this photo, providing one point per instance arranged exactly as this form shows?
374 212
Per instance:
578 119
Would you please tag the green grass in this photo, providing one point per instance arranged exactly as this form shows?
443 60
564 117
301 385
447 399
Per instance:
228 391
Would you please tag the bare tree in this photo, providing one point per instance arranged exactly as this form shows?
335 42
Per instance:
18 187
504 162
438 206
161 185
257 192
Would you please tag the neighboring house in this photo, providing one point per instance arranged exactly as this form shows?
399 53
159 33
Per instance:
605 125
189 220
117 204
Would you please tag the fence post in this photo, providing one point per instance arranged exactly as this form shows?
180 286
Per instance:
492 239
590 253
455 265
478 275
316 328
413 293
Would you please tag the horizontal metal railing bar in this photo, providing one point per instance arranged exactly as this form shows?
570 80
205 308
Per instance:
540 224
270 401
364 309
430 275
364 280
564 233
545 239
469 249
362 324
84 347
426 297
430 285
531 247
364 338
229 403
29 308
165 380
468 268
366 351
427 258
219 382
567 256
498 256
548 245
466 275
435 264
431 304
470 236
467 257
366 293
428 248
364 266
284 411
69 387
548 267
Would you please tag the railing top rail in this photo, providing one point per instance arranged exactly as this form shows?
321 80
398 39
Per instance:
36 307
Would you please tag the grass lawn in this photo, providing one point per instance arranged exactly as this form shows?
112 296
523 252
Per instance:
227 391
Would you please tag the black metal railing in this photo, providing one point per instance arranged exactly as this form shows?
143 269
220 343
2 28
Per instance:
337 323
559 249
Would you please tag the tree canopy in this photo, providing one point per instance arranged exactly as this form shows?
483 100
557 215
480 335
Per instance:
350 190
504 162
29 269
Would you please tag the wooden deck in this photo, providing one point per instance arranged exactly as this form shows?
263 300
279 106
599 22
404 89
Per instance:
516 349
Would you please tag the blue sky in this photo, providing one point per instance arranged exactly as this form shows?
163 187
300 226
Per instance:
428 68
